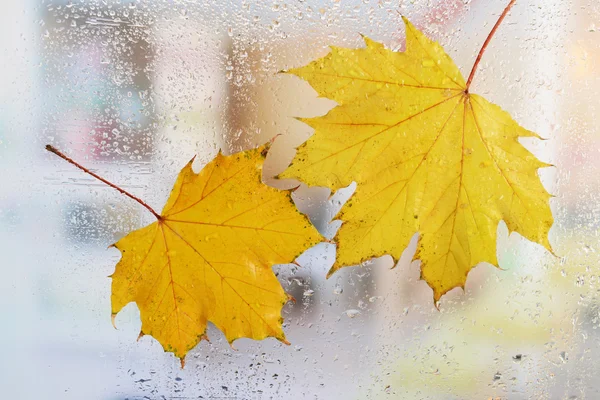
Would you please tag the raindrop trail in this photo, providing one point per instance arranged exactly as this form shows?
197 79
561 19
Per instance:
54 150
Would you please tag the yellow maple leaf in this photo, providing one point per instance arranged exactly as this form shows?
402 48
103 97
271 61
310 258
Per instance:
428 156
208 257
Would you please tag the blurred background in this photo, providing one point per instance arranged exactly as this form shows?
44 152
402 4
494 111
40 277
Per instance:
134 89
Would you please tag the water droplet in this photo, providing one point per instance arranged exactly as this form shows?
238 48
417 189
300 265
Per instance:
352 313
297 281
564 356
309 292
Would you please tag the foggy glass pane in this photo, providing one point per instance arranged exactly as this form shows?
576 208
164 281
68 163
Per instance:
135 89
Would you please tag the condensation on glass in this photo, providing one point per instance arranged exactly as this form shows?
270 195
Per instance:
135 89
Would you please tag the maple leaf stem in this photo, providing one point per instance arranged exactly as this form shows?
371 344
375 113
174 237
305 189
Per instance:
54 150
487 41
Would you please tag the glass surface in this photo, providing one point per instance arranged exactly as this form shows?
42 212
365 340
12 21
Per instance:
134 89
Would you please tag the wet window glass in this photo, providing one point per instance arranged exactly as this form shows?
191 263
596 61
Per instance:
135 89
